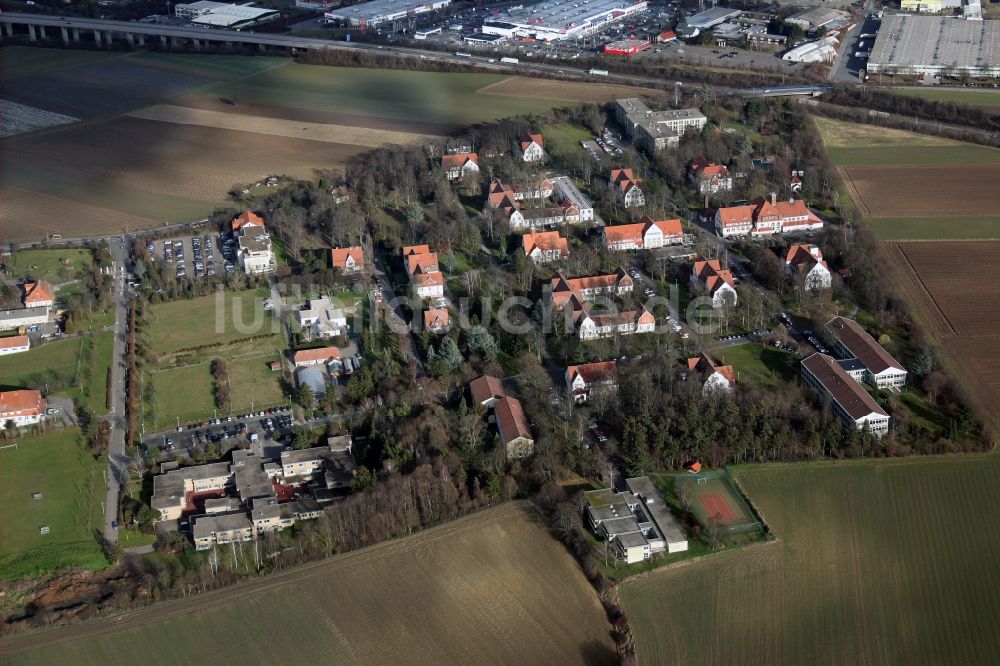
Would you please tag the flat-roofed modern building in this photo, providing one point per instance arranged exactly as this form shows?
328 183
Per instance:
655 130
209 14
555 20
934 45
847 398
377 12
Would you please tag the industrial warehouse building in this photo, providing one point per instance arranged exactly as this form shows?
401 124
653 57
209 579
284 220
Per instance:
210 14
370 14
565 19
936 46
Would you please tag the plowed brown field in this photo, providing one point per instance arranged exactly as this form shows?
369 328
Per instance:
924 190
952 288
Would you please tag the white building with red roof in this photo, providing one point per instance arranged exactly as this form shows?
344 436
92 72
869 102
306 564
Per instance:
348 259
881 370
247 219
38 294
532 148
544 246
14 344
24 407
255 253
646 234
708 177
627 188
714 377
422 266
716 281
321 355
850 402
436 320
588 378
805 263
763 217
460 166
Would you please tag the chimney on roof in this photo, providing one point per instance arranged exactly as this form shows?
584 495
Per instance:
774 198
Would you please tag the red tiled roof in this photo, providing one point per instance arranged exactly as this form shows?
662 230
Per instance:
340 254
485 388
702 363
320 354
511 421
14 342
422 263
22 402
862 345
247 218
545 241
459 160
598 371
37 292
436 318
428 279
710 273
532 138
415 249
499 192
802 256
848 393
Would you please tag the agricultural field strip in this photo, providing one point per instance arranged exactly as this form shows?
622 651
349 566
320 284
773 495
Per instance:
158 613
566 91
924 190
295 129
20 118
923 302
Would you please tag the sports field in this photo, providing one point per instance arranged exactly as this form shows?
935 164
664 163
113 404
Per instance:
712 499
163 137
916 187
71 484
491 588
887 562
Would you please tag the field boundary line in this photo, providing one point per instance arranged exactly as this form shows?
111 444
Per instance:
694 560
163 611
913 289
852 191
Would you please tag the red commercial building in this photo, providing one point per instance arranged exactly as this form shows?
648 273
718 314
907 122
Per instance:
626 47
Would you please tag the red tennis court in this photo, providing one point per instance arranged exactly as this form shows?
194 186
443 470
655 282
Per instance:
717 507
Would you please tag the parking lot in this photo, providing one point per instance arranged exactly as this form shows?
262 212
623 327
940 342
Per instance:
196 256
265 426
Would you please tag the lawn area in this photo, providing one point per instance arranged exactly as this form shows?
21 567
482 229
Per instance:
252 384
759 365
54 363
186 324
565 138
936 228
433 97
215 67
969 97
71 482
183 392
875 562
841 134
54 266
95 390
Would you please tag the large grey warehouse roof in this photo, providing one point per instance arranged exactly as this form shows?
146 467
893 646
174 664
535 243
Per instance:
930 44
712 17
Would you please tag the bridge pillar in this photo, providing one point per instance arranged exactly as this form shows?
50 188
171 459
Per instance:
31 33
197 44
229 45
97 37
8 29
163 41
260 47
41 31
142 39
76 34
175 42
130 39
65 35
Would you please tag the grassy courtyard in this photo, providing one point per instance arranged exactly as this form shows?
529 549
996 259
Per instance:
54 364
71 483
54 266
758 365
217 319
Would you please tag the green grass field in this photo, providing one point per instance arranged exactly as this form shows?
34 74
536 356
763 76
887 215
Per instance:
758 365
186 391
969 97
933 228
72 485
434 97
213 319
54 363
876 562
54 266
94 392
214 67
